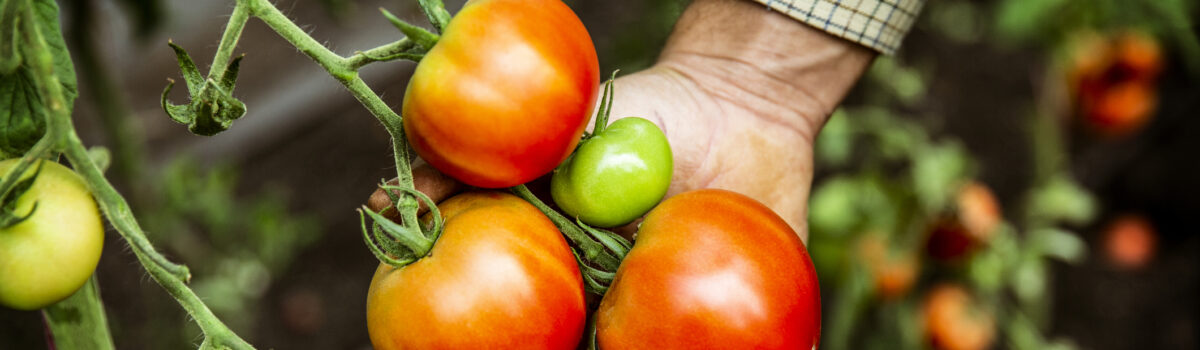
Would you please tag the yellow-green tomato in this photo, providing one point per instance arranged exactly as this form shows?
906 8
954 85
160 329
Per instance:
616 175
47 257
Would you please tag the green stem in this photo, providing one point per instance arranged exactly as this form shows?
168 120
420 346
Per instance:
79 321
233 31
125 137
377 54
334 64
60 131
344 70
592 250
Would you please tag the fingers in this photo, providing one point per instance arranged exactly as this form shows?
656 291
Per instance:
426 179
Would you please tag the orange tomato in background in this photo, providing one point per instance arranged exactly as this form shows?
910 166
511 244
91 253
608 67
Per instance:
954 322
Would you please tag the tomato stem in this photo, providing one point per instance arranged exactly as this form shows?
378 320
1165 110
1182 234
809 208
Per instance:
605 107
598 252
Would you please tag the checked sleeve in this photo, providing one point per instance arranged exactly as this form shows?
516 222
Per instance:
877 24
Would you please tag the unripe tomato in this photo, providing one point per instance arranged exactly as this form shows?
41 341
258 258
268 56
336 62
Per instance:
616 175
505 94
501 276
712 269
47 257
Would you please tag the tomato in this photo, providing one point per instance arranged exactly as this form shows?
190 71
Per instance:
1130 241
712 269
500 276
1114 80
505 94
975 220
894 272
616 175
47 257
953 322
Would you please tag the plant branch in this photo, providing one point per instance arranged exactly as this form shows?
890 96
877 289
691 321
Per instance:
592 250
394 50
233 31
60 133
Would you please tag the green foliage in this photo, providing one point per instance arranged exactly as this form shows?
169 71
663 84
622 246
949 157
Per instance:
1052 22
237 243
22 118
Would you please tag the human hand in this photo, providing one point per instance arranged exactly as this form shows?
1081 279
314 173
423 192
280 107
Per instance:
741 93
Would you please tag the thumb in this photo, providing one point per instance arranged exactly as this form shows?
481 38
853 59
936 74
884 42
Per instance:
426 179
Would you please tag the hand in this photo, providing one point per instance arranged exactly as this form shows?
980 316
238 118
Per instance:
740 92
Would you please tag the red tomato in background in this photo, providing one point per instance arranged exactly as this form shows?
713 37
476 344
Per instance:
712 269
505 94
501 276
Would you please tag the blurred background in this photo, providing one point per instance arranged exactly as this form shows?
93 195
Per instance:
1020 175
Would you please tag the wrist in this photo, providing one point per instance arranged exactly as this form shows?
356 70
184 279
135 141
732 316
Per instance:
768 63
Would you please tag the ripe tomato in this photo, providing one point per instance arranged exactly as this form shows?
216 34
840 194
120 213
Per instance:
505 94
501 276
894 272
1114 80
1130 241
615 176
47 257
712 269
975 221
953 322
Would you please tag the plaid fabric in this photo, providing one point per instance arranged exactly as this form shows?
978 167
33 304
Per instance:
877 24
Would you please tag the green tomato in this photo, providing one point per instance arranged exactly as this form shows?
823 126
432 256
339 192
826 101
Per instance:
615 176
47 257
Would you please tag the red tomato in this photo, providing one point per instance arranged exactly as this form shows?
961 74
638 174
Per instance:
1130 241
501 276
505 94
712 269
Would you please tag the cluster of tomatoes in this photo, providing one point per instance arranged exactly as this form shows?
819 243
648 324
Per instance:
1113 80
503 98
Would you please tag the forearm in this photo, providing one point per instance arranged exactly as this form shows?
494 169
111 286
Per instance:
769 63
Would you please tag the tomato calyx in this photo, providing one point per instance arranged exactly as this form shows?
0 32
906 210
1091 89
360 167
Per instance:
400 244
598 252
14 187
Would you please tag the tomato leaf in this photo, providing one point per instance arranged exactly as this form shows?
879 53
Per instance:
22 119
10 58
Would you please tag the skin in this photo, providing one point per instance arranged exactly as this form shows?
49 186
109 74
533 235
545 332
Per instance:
47 257
740 106
712 269
500 276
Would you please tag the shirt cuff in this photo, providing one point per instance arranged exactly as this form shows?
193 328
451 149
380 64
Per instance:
878 24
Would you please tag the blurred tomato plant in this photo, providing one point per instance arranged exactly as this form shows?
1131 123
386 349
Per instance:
913 249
